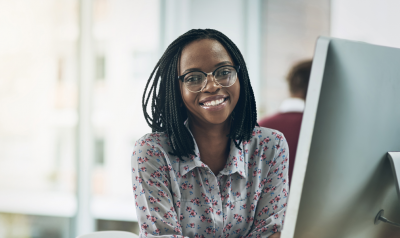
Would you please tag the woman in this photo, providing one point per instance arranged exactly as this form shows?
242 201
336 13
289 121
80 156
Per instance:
207 170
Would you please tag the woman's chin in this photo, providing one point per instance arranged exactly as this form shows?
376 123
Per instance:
216 120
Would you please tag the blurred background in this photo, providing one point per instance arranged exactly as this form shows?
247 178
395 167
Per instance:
72 73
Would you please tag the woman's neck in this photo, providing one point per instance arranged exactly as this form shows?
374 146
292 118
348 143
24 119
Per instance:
212 142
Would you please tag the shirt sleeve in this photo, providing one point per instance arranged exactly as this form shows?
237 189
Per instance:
271 207
151 178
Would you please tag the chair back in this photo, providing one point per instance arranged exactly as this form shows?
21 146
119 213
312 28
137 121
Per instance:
109 234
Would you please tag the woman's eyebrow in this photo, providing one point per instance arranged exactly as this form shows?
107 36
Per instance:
216 66
223 63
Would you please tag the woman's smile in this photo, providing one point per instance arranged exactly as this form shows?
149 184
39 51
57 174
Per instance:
214 103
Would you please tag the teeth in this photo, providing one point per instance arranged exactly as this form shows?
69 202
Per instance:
215 102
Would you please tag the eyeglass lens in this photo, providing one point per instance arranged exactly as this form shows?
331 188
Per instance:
225 76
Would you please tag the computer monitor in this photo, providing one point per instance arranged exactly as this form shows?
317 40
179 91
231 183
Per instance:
342 177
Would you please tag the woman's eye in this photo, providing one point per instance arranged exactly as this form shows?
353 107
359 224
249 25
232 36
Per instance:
192 79
224 72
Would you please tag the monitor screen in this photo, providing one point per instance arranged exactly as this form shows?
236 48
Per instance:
342 176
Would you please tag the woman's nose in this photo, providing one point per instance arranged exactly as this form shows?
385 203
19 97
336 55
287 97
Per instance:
211 85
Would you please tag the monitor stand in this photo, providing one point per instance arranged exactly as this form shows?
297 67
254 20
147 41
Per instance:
394 158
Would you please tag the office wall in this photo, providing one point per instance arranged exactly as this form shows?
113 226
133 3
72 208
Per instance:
289 33
373 21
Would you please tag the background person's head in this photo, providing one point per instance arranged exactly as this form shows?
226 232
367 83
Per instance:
298 78
168 110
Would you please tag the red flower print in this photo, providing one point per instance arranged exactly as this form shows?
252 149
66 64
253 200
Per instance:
162 193
144 226
256 152
265 209
184 186
150 183
139 179
249 219
263 157
193 213
277 198
208 210
271 201
207 200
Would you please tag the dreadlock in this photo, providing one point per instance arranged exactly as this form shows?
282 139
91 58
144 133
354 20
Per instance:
163 89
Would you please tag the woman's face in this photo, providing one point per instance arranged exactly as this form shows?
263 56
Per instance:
207 55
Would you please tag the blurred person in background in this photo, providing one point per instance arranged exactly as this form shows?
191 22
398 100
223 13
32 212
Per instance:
288 119
207 170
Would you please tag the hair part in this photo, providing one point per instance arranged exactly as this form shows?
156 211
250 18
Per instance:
167 111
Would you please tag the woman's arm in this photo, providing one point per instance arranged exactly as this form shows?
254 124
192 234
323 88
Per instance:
271 208
151 175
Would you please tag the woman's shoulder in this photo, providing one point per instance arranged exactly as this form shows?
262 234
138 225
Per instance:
152 148
153 142
154 138
263 133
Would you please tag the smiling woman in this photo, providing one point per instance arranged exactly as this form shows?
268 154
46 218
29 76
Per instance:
206 159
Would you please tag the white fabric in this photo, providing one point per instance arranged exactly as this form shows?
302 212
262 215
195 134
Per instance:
292 105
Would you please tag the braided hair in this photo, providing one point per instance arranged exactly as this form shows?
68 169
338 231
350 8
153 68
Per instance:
163 90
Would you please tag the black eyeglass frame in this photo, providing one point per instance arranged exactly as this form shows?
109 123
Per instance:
237 68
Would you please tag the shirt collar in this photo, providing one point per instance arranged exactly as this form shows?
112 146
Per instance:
189 164
292 105
234 164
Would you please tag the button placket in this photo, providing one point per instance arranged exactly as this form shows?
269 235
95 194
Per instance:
216 203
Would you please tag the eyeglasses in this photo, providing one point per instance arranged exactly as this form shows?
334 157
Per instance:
224 76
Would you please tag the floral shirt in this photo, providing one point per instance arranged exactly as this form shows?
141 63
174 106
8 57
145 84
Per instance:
183 198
